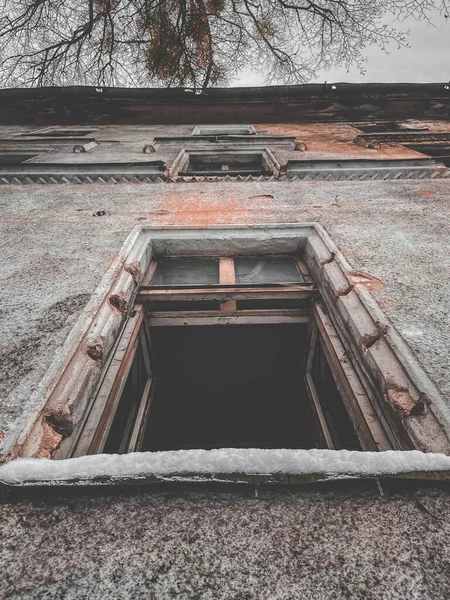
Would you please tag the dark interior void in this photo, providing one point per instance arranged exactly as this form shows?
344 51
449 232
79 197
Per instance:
228 386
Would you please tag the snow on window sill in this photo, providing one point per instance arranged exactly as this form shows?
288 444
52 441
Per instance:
223 465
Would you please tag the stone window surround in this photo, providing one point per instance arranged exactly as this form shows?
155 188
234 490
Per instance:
182 159
385 364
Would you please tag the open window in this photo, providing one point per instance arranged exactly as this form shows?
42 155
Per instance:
229 352
225 162
224 130
16 157
243 338
59 132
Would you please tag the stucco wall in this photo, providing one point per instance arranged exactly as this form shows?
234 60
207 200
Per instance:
182 543
197 544
54 253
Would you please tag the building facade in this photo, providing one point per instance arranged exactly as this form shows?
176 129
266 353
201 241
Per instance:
260 269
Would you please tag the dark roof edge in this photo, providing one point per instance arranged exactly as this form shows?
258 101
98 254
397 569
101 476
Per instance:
337 102
282 92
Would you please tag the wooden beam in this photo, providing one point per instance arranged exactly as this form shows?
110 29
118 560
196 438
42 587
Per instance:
149 274
107 399
369 429
225 293
227 276
222 318
140 424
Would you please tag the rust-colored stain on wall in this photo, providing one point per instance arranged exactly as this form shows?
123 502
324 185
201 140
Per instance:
204 209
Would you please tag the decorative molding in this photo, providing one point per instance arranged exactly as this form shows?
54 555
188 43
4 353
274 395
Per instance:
153 172
364 169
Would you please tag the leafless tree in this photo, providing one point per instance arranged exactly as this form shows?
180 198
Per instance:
191 43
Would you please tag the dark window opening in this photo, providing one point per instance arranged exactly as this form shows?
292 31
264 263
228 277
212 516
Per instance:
13 158
236 386
59 132
239 386
441 151
225 163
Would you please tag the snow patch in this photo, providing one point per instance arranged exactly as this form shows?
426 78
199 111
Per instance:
140 465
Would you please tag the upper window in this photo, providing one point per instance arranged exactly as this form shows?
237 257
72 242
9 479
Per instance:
225 162
16 157
59 132
433 149
389 126
224 130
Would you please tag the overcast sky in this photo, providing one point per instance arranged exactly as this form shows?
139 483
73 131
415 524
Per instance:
427 60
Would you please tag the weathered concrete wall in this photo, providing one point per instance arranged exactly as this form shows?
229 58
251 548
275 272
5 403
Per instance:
200 545
326 141
54 253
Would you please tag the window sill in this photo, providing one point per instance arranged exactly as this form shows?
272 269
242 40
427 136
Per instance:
251 466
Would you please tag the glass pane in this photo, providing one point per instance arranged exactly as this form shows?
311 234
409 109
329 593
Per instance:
186 272
267 270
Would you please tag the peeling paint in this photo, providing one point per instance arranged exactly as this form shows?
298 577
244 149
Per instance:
401 399
134 269
364 280
94 350
118 303
50 440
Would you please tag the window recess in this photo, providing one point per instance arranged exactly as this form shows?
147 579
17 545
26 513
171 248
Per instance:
55 132
16 157
225 162
207 130
275 363
389 127
171 387
433 149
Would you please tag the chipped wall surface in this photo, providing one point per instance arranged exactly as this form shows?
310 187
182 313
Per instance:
55 252
197 544
57 242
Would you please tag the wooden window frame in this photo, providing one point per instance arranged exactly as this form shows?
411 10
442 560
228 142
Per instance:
364 418
227 292
100 418
365 421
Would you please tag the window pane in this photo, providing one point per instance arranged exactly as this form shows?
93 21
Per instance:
186 272
267 270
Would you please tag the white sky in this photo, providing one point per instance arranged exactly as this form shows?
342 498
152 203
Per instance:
427 59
